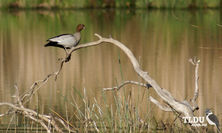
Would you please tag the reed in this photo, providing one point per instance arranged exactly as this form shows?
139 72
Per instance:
103 117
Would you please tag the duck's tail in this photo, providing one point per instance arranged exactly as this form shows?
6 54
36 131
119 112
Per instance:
53 44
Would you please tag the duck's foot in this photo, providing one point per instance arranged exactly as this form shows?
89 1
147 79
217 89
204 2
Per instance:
68 58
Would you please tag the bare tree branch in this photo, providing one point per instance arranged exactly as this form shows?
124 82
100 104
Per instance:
17 96
162 107
26 111
39 118
38 84
124 83
196 63
163 93
34 88
174 104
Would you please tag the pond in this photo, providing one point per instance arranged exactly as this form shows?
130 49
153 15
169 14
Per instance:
162 41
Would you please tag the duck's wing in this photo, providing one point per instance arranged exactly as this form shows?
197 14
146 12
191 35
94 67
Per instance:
67 40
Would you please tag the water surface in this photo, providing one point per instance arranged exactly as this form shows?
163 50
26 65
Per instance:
162 41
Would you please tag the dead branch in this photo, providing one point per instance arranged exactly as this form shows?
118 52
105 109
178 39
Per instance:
38 84
125 83
194 106
163 93
33 115
34 88
196 63
162 107
176 105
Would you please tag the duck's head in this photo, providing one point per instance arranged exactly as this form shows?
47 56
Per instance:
80 27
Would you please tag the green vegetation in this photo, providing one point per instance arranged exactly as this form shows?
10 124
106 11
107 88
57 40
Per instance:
88 115
72 4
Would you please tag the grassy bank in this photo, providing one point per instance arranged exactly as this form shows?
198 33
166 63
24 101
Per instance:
72 4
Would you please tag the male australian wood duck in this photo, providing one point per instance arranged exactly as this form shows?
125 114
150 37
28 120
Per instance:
66 41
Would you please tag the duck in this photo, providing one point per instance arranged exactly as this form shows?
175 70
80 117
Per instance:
66 41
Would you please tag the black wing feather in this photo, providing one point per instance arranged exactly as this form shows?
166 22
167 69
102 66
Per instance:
54 44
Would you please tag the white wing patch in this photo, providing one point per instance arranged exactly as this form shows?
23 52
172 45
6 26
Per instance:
66 40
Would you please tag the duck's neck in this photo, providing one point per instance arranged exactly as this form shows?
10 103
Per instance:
77 35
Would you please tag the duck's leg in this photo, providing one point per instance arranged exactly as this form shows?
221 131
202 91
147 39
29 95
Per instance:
67 54
66 51
68 57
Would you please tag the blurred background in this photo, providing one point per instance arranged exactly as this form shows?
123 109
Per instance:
162 40
49 4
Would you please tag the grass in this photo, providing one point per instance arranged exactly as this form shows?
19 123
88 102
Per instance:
89 115
122 116
92 116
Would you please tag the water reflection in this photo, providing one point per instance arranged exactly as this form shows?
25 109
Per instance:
162 41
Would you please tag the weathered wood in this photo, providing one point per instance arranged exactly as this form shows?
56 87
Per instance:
179 106
125 83
196 63
182 107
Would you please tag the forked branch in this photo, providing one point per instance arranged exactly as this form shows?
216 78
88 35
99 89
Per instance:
163 93
173 104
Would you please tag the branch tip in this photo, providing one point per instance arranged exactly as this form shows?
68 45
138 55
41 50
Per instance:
97 35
